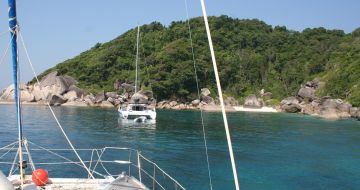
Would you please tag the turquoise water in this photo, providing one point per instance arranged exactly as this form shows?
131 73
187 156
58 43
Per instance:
273 151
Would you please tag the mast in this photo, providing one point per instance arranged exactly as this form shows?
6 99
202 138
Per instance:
137 57
13 26
228 137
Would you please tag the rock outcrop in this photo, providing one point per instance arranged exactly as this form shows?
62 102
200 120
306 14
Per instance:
25 94
139 98
253 102
326 107
56 100
100 97
205 92
290 105
62 90
76 104
52 84
71 96
195 102
205 97
112 95
307 93
231 101
265 94
106 104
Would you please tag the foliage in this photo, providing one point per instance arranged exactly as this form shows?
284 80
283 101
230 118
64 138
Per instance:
272 102
251 56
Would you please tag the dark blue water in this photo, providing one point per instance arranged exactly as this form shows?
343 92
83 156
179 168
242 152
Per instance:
273 151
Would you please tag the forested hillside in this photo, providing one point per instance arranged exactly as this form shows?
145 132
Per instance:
251 56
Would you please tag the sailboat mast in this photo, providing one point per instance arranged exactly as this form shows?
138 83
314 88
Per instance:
13 26
137 57
228 137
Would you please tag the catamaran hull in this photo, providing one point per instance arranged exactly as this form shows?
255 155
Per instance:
151 115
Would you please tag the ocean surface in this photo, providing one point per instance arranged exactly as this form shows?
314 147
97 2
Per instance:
273 150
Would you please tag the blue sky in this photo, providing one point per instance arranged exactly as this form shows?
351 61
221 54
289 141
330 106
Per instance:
56 30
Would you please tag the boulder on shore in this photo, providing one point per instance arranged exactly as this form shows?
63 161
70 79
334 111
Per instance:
79 92
71 95
263 93
173 103
149 94
111 100
113 95
205 92
290 105
354 112
56 100
100 97
208 100
127 88
106 104
25 94
75 104
57 84
334 109
139 99
307 93
252 102
195 102
52 84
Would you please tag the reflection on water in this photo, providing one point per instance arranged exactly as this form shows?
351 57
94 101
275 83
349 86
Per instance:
131 123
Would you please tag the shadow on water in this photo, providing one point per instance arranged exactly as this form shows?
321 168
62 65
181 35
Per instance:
273 150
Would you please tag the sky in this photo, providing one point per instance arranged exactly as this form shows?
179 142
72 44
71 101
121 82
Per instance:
57 30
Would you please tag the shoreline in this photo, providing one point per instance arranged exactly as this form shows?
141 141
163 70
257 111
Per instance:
207 108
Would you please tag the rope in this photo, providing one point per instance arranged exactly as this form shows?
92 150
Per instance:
14 163
198 94
97 153
99 158
164 173
8 151
52 112
7 146
237 186
54 153
91 159
26 145
6 50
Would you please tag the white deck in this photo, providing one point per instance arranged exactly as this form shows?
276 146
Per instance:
120 183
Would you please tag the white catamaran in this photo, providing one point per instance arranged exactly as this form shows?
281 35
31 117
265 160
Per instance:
109 168
138 109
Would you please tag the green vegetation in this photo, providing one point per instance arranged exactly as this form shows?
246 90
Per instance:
251 55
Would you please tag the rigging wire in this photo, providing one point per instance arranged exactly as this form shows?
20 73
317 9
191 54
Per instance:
198 94
143 54
137 58
52 111
6 50
228 137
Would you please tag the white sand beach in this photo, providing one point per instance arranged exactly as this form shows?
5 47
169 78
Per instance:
263 109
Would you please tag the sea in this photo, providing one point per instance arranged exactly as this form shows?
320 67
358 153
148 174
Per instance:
272 150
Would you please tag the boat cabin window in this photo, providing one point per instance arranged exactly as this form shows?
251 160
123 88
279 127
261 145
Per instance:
138 108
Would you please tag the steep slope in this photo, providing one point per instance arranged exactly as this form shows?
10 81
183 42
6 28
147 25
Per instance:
251 54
